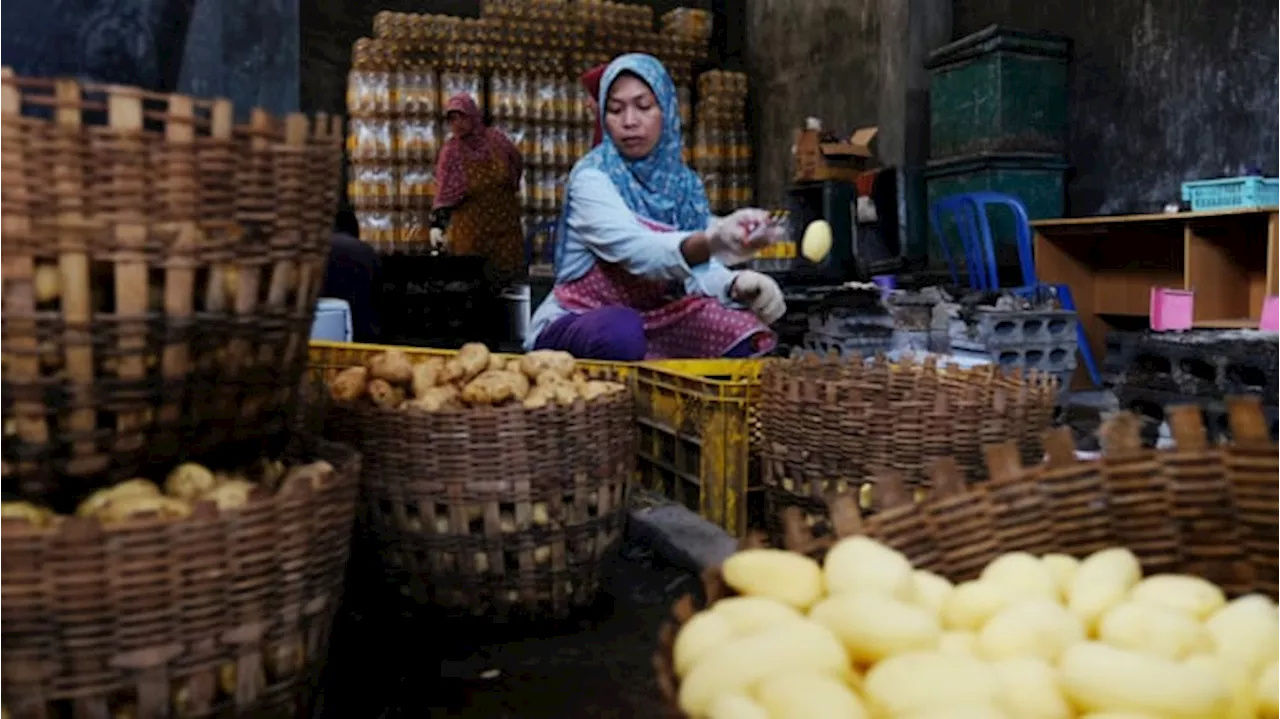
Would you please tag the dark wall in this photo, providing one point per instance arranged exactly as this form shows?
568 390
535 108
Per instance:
1162 91
243 49
329 27
815 58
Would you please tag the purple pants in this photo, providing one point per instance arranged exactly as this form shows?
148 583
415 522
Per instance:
609 334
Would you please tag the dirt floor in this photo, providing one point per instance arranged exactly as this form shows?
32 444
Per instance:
393 661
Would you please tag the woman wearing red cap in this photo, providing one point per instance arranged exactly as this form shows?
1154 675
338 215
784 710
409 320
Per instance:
478 172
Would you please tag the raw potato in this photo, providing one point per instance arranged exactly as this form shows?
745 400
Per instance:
129 488
862 564
535 363
188 481
497 363
908 684
1039 628
437 399
1102 581
48 281
26 512
739 664
874 627
426 376
1098 677
790 578
350 384
1193 595
474 358
596 388
453 371
231 494
392 367
807 695
126 508
384 394
495 387
1154 629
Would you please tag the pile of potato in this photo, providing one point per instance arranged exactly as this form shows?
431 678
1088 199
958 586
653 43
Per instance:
474 377
184 487
864 634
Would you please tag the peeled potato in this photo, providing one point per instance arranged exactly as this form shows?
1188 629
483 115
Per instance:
967 711
1241 686
1267 692
1063 567
1022 574
861 564
27 512
1098 677
958 643
1193 595
788 577
126 508
930 591
1029 689
971 604
874 627
815 245
1102 581
129 488
750 614
1154 629
232 494
1246 632
703 632
739 664
1039 628
908 684
808 695
736 706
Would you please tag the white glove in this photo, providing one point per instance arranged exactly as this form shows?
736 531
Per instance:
761 293
437 238
734 239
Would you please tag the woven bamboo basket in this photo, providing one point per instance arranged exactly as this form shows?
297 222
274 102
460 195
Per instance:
496 511
219 614
1064 505
828 423
161 268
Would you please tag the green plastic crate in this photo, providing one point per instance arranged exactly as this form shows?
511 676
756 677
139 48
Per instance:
999 90
1036 180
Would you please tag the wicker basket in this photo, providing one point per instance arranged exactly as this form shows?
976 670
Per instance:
830 424
496 511
161 268
1066 506
151 617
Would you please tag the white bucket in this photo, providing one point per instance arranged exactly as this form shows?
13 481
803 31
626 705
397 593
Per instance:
332 321
517 298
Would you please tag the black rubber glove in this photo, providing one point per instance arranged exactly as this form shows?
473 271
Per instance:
440 218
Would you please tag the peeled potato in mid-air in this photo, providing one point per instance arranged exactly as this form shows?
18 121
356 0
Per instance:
788 577
816 243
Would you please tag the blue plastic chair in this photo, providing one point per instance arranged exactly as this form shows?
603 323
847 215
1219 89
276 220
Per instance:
968 213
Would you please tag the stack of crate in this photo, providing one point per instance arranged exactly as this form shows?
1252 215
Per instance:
998 122
722 145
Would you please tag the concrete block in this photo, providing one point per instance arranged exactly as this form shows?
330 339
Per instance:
681 537
990 328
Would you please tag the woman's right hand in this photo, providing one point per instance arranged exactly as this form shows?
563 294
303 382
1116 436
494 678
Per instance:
737 237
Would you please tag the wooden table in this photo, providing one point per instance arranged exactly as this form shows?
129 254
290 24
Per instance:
1111 263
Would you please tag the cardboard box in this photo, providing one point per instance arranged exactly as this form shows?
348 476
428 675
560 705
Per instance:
817 161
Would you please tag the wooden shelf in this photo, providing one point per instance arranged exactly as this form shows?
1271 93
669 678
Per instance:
1111 263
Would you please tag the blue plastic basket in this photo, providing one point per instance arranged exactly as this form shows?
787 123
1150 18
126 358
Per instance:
1232 193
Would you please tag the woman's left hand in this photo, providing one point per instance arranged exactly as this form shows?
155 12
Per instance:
761 293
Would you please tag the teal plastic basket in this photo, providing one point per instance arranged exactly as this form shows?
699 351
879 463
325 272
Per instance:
1232 193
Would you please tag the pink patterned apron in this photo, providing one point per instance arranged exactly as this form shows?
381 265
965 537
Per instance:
676 327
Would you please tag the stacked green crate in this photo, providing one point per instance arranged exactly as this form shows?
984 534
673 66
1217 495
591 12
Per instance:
998 122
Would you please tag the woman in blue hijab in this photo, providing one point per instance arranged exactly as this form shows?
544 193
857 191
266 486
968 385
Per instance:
636 269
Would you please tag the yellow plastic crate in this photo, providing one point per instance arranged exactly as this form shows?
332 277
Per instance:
697 426
326 359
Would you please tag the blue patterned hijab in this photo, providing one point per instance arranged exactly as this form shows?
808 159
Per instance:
658 186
